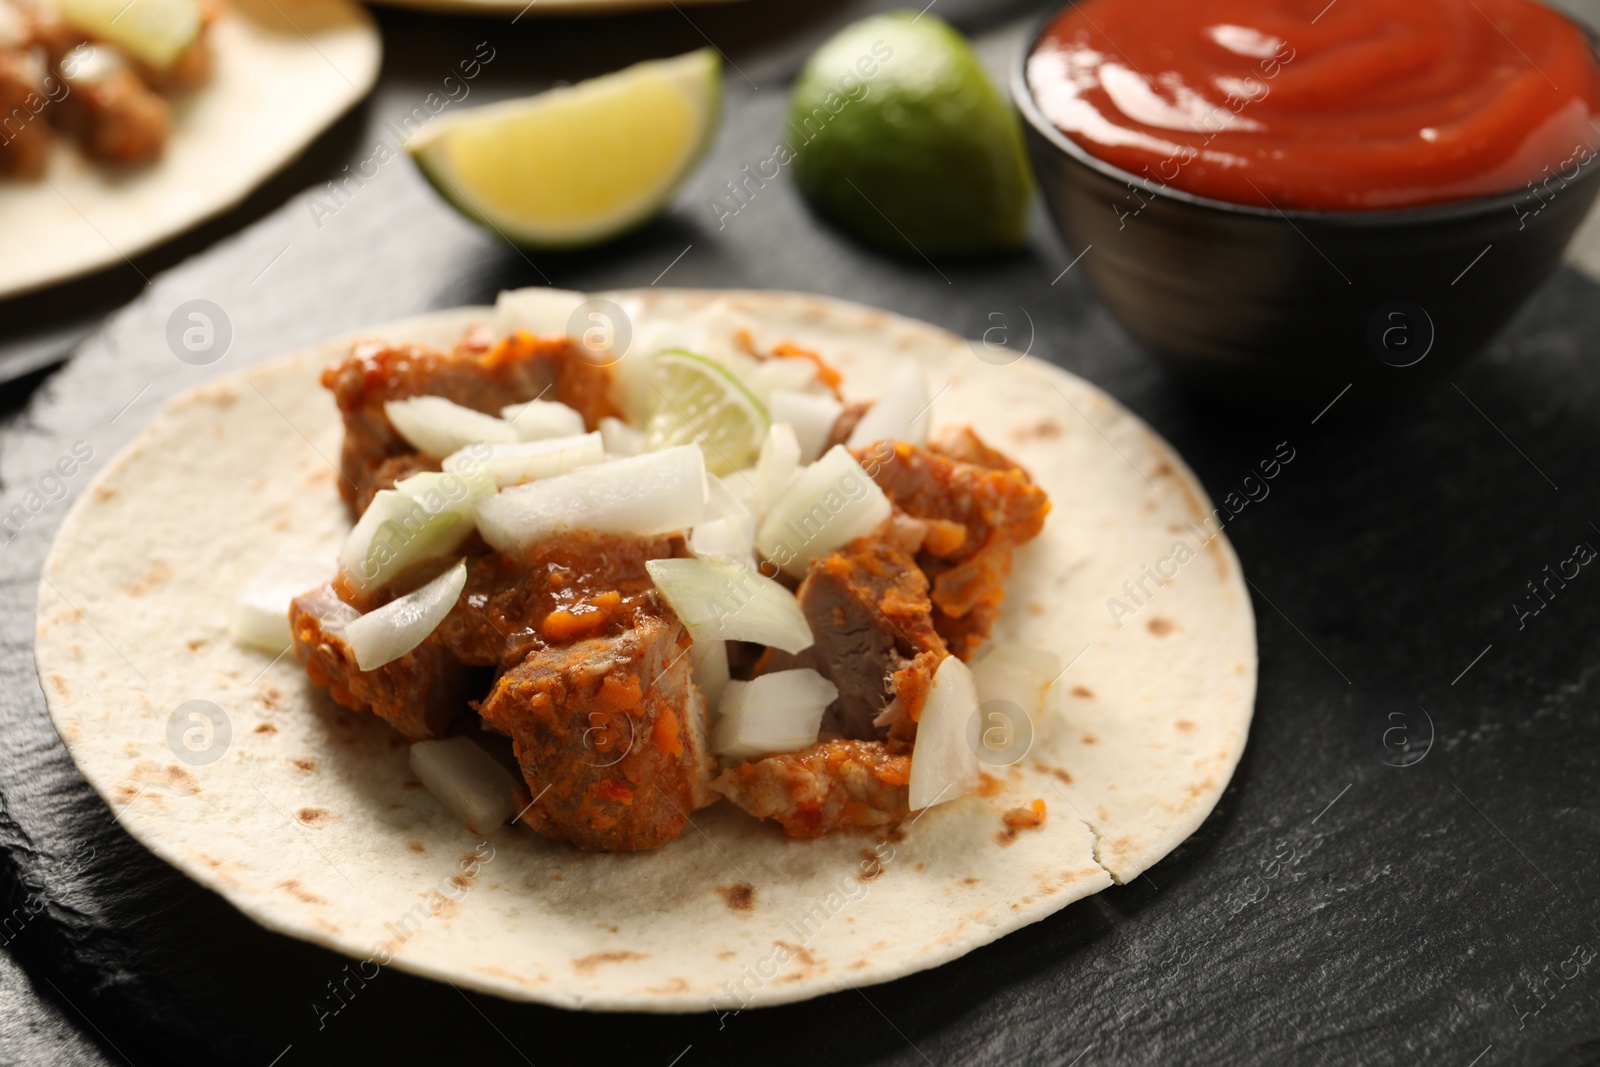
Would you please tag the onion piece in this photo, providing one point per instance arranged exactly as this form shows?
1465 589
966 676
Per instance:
830 504
901 414
540 419
770 375
619 438
656 493
260 617
1017 674
438 427
943 765
468 781
731 534
778 712
393 533
721 600
539 309
776 467
710 661
441 491
525 461
385 634
812 416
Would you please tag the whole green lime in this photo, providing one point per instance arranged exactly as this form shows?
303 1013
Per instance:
900 138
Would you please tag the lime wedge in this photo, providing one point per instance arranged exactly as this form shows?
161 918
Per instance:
153 31
696 401
576 165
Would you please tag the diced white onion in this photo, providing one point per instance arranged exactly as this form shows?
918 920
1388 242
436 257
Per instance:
469 782
778 712
830 504
656 493
729 530
1018 674
770 375
396 531
385 634
526 461
260 617
539 309
710 660
811 415
943 765
721 600
438 427
440 491
621 439
901 414
776 468
539 419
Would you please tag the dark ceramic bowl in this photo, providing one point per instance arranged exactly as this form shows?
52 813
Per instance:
1259 305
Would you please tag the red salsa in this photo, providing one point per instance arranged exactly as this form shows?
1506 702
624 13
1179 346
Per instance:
1348 105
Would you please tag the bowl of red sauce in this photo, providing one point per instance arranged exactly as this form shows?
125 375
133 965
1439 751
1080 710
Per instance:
1279 198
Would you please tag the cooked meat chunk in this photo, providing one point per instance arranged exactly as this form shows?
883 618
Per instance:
831 786
192 68
385 474
845 424
114 116
611 735
869 611
566 589
418 694
519 368
25 133
957 479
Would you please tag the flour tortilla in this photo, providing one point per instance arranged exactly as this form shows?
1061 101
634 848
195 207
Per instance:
311 824
283 71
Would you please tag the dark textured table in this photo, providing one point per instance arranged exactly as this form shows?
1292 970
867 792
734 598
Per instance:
1401 872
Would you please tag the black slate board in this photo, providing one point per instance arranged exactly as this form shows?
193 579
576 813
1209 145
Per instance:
1336 908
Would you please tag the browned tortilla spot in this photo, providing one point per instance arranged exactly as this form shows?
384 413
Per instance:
314 816
307 765
293 887
1083 692
798 952
178 778
871 866
1185 725
1043 430
1090 739
416 846
588 964
969 880
266 728
60 684
1161 627
158 573
195 643
105 493
726 955
740 896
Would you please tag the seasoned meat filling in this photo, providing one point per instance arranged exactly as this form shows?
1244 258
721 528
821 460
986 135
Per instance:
519 368
611 736
831 786
957 480
869 611
418 694
566 589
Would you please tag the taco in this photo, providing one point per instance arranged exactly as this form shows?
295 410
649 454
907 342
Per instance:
124 123
654 651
